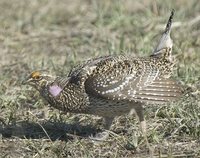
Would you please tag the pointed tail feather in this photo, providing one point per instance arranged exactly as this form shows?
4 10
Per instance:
165 41
169 23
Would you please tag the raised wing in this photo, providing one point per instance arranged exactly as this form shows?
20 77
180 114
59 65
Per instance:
86 66
124 79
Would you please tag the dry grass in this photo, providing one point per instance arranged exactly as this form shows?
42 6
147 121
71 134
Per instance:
54 35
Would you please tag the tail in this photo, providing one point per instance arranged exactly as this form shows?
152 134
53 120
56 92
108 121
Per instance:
165 41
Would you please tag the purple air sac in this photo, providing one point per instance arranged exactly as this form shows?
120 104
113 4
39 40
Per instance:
55 90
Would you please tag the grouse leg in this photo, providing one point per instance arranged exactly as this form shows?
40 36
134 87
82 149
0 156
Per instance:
101 136
139 111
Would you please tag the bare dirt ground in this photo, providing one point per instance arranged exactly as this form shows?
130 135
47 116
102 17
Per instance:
54 35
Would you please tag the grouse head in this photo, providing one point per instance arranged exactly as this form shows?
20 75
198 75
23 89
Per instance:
38 79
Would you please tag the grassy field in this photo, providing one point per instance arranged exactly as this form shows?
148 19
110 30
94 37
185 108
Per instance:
54 35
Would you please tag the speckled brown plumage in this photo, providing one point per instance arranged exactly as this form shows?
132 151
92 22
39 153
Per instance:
110 86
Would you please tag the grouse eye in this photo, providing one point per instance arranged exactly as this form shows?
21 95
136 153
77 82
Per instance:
37 77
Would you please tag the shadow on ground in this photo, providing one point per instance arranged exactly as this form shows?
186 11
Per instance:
48 129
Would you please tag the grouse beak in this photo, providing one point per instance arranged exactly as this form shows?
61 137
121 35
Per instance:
26 81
